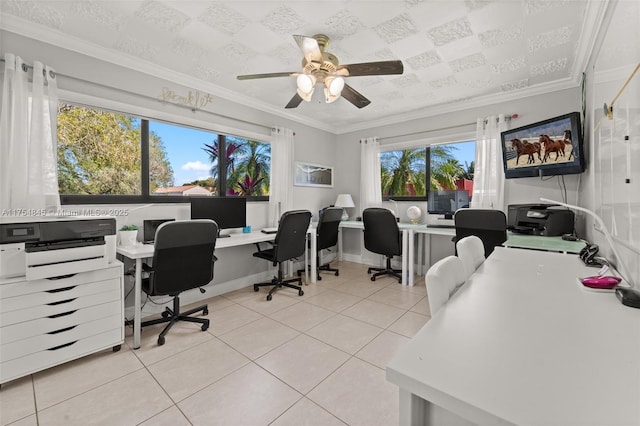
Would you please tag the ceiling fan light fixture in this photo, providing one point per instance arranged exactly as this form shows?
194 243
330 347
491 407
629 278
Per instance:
333 88
306 84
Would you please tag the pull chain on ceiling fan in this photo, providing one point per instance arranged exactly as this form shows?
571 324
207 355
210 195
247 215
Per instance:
321 67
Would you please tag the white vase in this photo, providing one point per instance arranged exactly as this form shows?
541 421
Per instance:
128 238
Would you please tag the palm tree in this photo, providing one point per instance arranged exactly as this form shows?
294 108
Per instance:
252 169
446 174
401 170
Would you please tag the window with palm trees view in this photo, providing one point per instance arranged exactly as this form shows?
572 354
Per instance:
105 153
410 173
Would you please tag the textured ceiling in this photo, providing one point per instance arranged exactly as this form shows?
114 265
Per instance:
454 52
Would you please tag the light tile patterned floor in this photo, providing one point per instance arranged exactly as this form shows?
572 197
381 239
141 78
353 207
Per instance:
315 360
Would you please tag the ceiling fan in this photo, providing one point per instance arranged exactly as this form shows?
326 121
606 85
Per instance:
321 67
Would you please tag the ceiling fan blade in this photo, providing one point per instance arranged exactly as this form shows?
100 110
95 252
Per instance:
294 102
309 47
371 68
268 75
353 96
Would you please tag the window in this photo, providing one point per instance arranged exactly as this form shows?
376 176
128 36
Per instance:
110 157
409 173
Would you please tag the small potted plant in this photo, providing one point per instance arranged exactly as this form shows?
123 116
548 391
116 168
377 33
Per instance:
128 235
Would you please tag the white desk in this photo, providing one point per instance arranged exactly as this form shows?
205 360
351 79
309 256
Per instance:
408 232
522 343
143 251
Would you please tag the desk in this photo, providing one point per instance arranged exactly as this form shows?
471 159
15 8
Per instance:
523 343
540 242
408 232
143 251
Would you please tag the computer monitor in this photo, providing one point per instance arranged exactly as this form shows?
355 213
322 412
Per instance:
227 212
446 202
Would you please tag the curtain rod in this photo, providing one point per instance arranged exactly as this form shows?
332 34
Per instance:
507 117
127 92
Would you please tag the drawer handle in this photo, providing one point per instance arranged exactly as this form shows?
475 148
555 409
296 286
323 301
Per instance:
62 330
58 290
63 314
61 277
61 302
55 348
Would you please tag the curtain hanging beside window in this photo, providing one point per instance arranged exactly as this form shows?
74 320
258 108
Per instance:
488 178
28 139
370 181
281 179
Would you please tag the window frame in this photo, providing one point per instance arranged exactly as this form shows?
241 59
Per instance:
427 144
146 197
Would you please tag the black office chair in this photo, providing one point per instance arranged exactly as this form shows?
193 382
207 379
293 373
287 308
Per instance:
489 225
289 243
326 237
382 236
182 260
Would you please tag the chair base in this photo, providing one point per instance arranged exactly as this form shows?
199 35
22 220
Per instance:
388 270
278 282
174 315
326 268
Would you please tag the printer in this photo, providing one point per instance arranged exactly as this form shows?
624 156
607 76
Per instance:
540 219
48 247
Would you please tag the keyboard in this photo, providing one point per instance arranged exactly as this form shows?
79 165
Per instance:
269 230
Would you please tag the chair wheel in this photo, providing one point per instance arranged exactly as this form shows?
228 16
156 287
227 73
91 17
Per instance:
373 278
300 292
269 297
319 277
165 314
160 340
369 271
205 311
337 274
256 288
204 327
116 348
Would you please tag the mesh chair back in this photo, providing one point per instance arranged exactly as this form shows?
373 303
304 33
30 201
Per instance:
381 232
489 225
183 256
328 227
291 236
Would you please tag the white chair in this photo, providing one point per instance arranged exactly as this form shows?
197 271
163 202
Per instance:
443 279
471 251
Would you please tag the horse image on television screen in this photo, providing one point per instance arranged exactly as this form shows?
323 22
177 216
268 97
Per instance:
540 149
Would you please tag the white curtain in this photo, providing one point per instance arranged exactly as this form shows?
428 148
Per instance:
28 139
488 178
281 185
370 181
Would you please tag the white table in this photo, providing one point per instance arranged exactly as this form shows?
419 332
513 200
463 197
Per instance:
143 251
408 234
523 343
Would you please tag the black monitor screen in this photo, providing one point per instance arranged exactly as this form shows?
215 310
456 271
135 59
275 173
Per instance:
446 202
227 212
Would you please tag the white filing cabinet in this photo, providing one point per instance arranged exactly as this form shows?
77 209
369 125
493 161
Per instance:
49 321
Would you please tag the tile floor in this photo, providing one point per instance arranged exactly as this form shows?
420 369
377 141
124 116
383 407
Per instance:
318 359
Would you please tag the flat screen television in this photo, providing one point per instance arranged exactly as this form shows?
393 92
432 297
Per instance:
227 212
546 148
446 202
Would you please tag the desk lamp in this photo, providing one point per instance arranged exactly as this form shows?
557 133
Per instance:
629 296
346 202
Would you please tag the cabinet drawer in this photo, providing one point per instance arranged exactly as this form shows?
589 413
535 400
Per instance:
58 338
59 295
67 305
37 361
18 288
24 330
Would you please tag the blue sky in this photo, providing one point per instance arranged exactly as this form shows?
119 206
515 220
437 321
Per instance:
184 150
189 162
